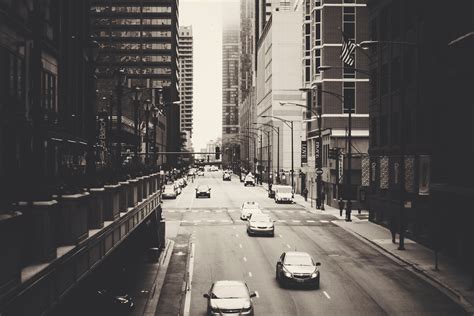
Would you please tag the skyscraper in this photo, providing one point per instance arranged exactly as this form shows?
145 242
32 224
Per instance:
186 81
230 90
141 38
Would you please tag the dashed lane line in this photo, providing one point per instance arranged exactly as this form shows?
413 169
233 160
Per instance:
245 259
288 246
327 295
324 221
250 274
310 221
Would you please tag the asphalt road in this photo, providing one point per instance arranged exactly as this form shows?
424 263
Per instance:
356 279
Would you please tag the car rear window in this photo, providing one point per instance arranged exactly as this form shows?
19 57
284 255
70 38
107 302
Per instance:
229 291
298 260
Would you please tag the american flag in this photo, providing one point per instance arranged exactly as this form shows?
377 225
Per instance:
347 52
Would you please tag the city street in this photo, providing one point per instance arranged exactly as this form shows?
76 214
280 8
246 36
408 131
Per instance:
212 243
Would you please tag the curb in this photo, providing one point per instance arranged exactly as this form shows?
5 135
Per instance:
457 297
164 260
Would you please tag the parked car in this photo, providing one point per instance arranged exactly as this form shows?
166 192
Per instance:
200 173
203 190
249 180
214 168
249 208
294 267
229 298
284 193
260 224
169 192
177 187
226 176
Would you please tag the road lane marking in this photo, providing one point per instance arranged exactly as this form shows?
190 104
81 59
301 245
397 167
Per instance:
197 221
240 245
282 220
211 220
288 246
256 294
250 274
278 211
207 211
310 221
296 221
291 211
327 295
187 299
245 259
171 211
323 221
194 211
302 212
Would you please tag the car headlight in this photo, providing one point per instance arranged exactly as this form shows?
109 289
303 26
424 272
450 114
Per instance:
287 273
246 308
315 274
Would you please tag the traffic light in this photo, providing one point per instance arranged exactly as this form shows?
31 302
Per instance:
218 153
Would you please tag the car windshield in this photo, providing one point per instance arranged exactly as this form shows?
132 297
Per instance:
169 188
284 190
261 218
298 260
203 188
229 291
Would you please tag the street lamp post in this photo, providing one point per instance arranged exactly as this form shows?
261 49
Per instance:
155 113
137 94
290 125
268 151
277 130
91 52
120 77
147 107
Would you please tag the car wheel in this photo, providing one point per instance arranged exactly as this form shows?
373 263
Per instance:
316 284
197 196
272 234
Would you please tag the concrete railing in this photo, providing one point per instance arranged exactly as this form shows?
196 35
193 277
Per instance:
40 232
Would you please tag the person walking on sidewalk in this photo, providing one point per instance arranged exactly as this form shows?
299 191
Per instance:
393 227
305 194
341 206
323 198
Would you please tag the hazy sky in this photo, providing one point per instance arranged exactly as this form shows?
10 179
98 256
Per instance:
207 18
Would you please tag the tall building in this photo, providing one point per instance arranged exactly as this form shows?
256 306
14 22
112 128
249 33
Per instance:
186 81
337 92
230 89
247 110
421 121
141 38
278 81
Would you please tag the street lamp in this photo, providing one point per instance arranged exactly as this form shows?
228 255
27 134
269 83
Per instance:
136 97
277 130
155 112
90 53
120 76
268 152
147 106
290 125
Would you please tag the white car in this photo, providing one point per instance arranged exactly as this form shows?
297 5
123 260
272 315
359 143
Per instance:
169 192
260 224
284 194
177 187
200 173
249 180
249 208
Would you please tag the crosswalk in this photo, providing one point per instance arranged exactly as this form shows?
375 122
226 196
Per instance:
229 221
233 211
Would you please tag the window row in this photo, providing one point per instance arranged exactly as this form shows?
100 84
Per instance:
130 9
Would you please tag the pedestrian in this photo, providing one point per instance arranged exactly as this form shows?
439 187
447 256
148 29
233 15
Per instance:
393 227
323 198
341 206
305 194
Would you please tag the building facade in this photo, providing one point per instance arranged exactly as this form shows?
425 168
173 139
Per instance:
230 88
142 39
278 81
186 82
421 121
342 89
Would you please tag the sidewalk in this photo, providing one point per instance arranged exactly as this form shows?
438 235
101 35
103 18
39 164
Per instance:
450 279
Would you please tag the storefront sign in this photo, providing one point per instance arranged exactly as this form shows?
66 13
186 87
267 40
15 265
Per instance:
304 151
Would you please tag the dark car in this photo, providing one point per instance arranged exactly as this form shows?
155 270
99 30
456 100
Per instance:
229 298
226 176
112 304
203 190
297 268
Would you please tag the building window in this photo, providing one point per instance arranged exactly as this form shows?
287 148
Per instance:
349 97
348 19
373 132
